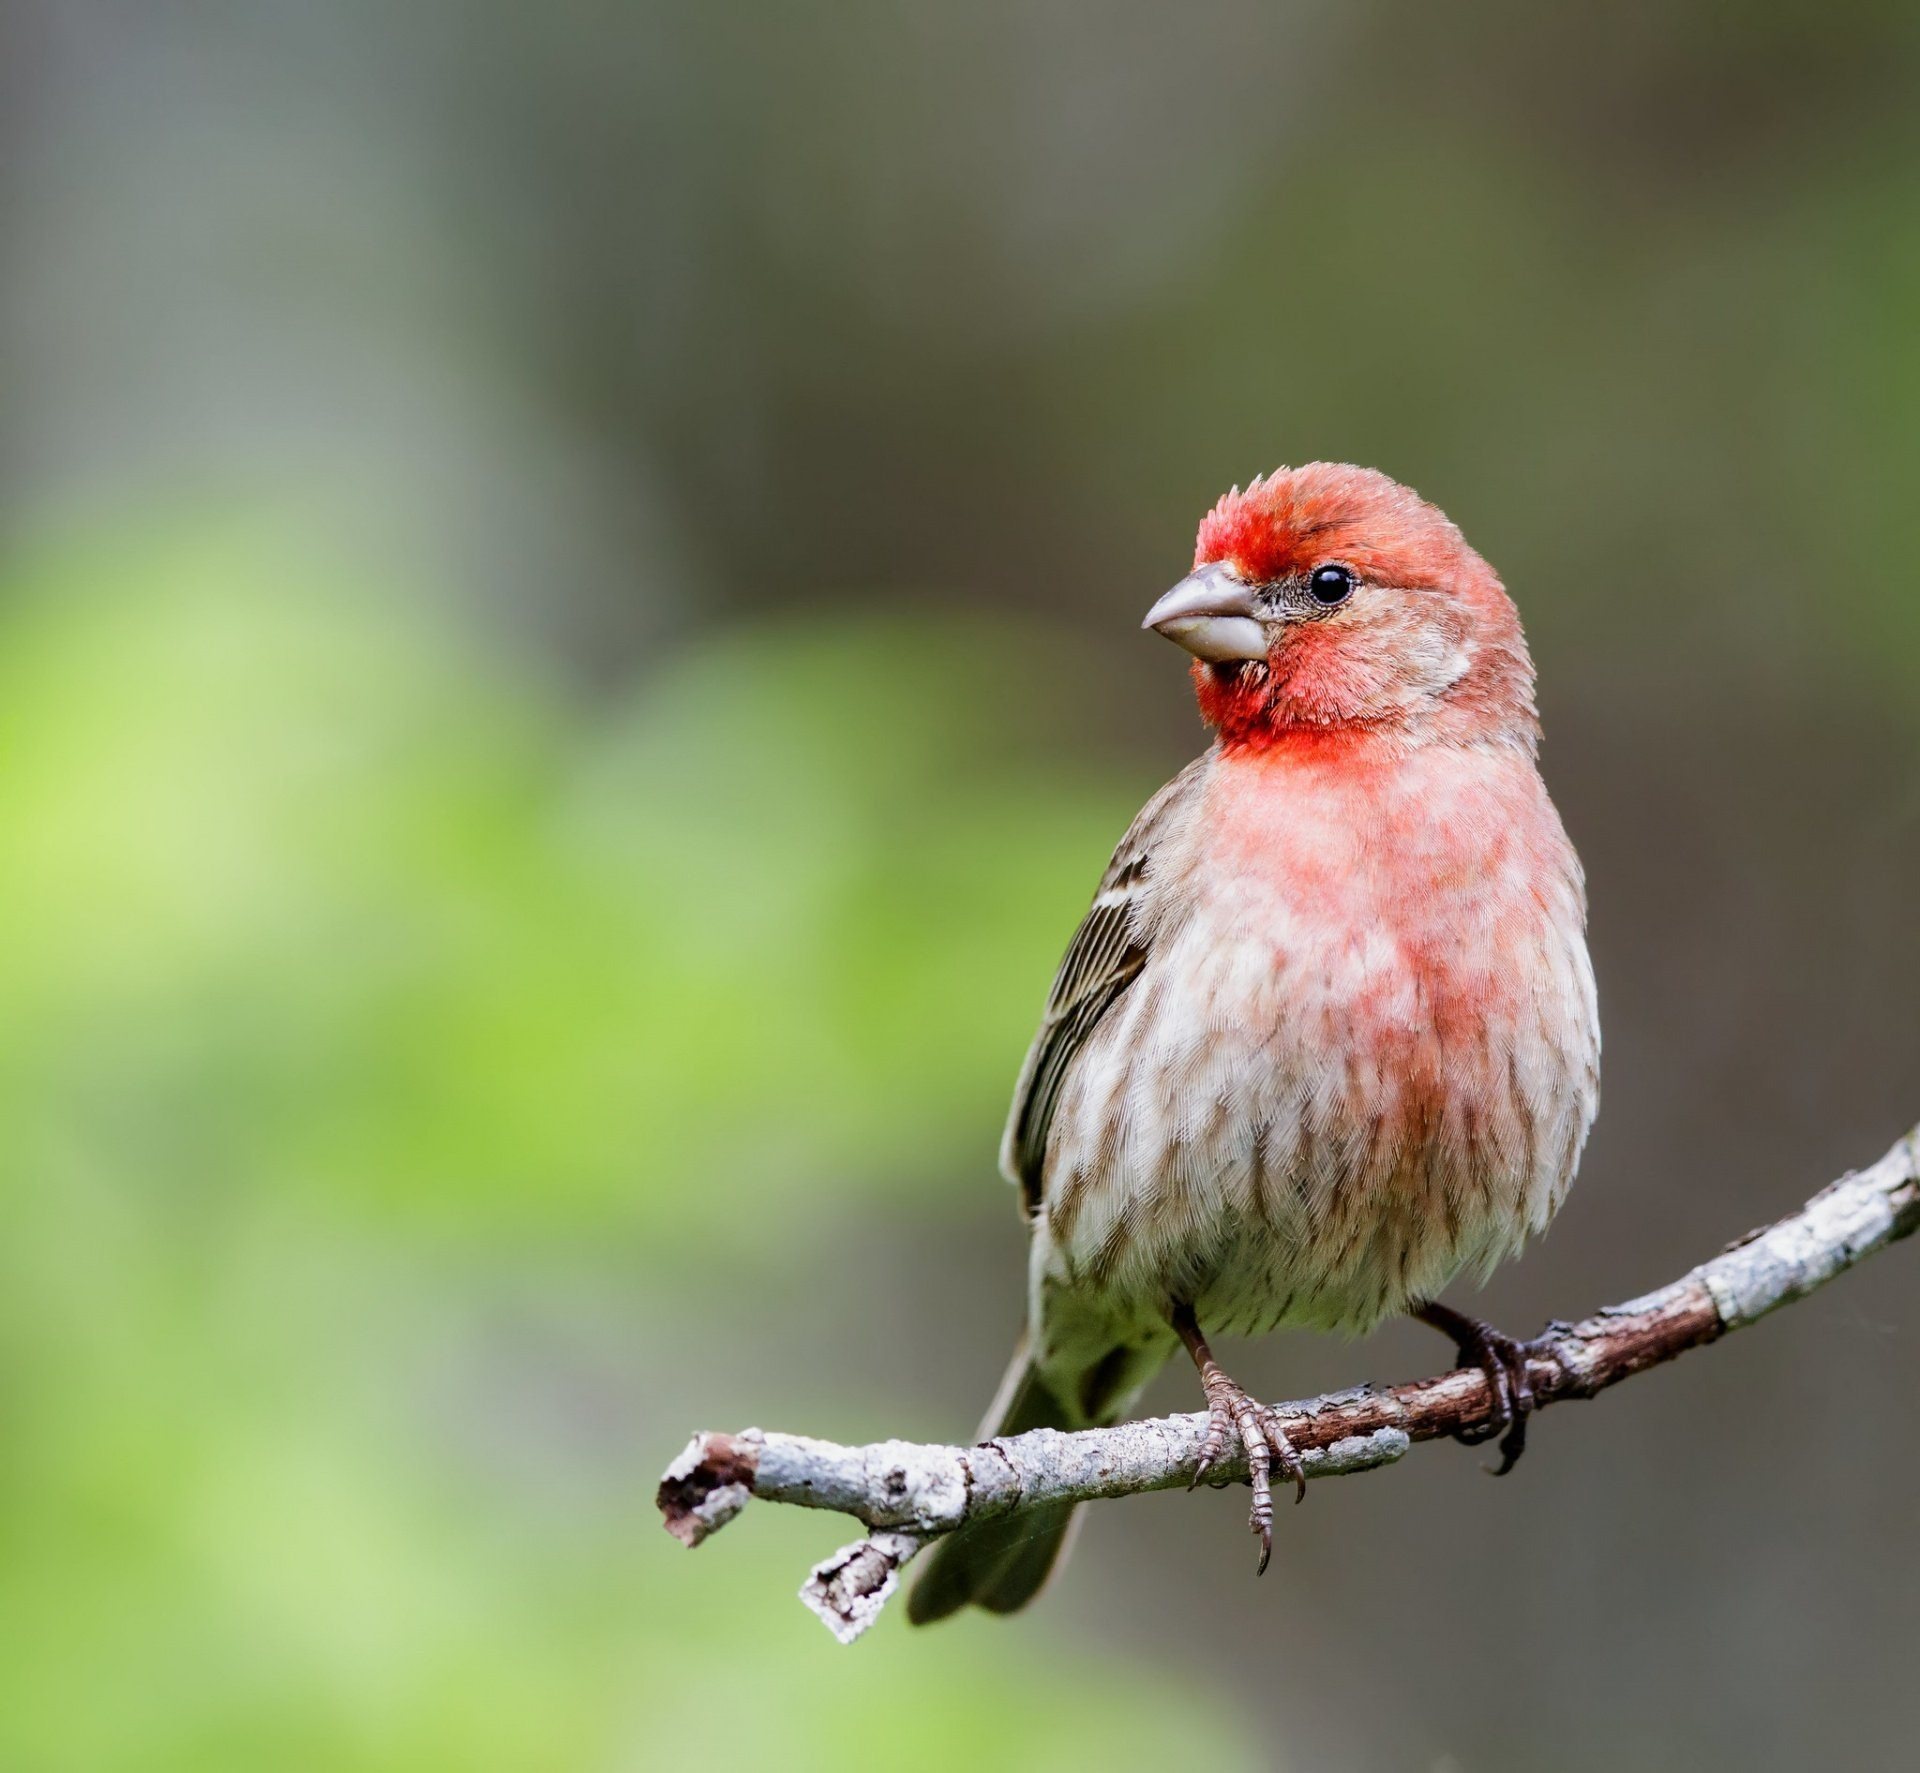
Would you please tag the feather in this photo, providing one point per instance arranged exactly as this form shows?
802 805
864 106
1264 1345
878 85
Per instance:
1105 956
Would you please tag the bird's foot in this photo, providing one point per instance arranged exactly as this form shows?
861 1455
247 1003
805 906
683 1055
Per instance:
1230 1409
1509 1384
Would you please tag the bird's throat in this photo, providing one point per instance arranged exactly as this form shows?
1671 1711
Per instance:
1253 708
1236 700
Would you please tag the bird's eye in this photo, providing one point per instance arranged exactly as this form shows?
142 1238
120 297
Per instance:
1330 585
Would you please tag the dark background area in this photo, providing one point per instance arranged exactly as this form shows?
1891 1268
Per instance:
568 661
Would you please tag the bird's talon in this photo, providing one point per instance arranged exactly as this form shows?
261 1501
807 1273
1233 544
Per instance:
1230 1407
1503 1361
1220 1423
1285 1454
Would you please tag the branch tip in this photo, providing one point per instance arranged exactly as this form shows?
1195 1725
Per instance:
710 1482
848 1589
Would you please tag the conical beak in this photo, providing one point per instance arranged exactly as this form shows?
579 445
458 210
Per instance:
1211 613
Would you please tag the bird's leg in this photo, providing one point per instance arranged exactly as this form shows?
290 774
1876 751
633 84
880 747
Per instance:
1230 1407
1504 1361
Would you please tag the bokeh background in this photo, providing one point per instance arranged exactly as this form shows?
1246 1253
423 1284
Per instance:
568 661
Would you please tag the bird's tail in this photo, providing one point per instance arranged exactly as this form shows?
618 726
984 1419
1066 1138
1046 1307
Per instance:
1002 1564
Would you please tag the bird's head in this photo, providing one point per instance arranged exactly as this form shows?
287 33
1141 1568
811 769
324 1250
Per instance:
1328 599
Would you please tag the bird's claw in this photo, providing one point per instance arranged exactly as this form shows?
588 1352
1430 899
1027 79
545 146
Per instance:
1509 1383
1219 1421
1231 1409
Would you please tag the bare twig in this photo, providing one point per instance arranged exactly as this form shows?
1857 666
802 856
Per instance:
909 1494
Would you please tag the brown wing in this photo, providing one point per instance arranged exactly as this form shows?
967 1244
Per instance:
1105 957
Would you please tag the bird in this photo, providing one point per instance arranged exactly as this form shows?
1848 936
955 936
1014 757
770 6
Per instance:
1328 1037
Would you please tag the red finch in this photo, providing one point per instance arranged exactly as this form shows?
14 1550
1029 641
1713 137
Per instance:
1327 1037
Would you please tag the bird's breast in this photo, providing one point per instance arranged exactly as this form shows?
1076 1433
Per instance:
1361 1055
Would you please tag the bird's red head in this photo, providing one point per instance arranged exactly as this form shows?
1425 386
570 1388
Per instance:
1328 599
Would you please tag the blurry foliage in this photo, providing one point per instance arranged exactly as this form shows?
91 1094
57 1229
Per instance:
338 955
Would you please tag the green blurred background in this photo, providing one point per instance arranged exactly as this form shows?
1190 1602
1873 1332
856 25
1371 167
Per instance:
568 661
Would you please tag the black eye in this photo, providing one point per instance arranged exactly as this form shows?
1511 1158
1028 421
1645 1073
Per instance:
1330 585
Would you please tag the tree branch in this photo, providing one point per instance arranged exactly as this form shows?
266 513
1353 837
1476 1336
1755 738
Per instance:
908 1494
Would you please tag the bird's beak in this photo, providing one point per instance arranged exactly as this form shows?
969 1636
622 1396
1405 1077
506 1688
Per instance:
1211 613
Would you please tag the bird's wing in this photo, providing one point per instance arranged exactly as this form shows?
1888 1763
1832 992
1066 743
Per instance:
1105 957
